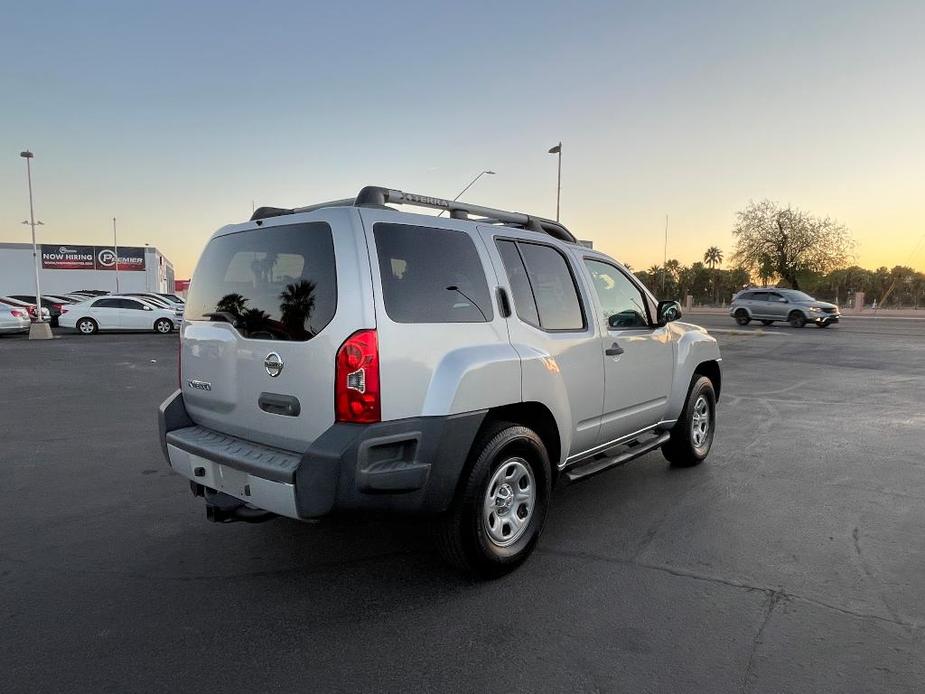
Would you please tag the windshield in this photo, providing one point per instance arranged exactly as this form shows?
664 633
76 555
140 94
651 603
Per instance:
799 296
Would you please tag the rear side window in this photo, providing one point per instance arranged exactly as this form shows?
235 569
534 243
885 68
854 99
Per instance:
107 303
277 283
520 283
553 288
431 275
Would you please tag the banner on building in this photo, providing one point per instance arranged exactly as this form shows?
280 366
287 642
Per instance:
68 257
131 258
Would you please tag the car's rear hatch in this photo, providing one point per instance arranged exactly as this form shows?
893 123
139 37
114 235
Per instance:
268 308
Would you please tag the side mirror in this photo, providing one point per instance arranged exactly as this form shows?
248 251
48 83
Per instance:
668 311
147 308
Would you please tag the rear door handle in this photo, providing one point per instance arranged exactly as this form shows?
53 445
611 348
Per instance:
613 350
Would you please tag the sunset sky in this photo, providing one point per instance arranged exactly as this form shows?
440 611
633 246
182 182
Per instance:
175 116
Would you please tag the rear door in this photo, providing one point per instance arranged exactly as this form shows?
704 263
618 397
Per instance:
107 313
133 316
269 305
552 330
759 305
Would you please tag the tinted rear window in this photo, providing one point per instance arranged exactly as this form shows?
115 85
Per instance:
276 283
431 275
553 288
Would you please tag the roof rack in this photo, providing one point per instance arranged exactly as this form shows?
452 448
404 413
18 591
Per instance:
375 196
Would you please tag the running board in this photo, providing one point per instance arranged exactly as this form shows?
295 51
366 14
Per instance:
596 465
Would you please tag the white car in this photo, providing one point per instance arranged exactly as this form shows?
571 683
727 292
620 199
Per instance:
117 313
13 320
10 302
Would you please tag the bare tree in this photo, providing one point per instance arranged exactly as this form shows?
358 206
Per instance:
789 241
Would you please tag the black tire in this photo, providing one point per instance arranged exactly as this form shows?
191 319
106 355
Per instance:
796 319
164 326
681 449
741 317
463 536
87 326
766 322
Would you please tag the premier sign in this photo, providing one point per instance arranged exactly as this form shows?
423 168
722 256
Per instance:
131 258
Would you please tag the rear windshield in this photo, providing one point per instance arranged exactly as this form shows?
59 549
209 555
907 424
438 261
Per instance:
278 283
431 275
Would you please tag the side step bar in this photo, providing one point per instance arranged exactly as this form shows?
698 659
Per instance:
597 465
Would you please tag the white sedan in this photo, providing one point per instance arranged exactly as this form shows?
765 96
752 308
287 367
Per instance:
117 313
13 320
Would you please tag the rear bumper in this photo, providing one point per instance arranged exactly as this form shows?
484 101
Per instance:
402 466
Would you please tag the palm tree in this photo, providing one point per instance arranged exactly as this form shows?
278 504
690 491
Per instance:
298 301
713 257
231 303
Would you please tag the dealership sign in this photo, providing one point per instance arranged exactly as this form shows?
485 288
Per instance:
92 258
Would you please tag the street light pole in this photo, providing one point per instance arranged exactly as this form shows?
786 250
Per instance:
43 330
115 248
558 150
471 183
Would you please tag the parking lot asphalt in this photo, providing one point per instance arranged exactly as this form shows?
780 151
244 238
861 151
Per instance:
793 560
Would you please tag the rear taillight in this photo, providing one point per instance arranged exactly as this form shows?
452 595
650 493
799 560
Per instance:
58 307
356 379
31 310
63 310
18 314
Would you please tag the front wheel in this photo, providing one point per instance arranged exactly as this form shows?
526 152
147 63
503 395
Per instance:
741 317
496 520
796 319
163 326
692 435
87 326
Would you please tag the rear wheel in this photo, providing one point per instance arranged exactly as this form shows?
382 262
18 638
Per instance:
496 520
87 326
741 317
163 326
692 435
796 319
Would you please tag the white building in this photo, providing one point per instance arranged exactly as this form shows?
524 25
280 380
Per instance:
67 268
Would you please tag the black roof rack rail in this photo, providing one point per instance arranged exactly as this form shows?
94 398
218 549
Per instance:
376 196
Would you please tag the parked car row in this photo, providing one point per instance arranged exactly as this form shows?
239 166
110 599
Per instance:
92 310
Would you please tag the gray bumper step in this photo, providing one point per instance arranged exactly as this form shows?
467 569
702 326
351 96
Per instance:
270 463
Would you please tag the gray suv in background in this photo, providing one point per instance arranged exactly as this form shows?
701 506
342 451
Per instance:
772 304
351 357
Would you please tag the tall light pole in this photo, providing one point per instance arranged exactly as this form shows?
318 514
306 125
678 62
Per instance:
558 150
39 330
115 248
471 183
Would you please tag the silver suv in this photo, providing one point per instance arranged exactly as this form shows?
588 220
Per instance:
769 305
351 357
